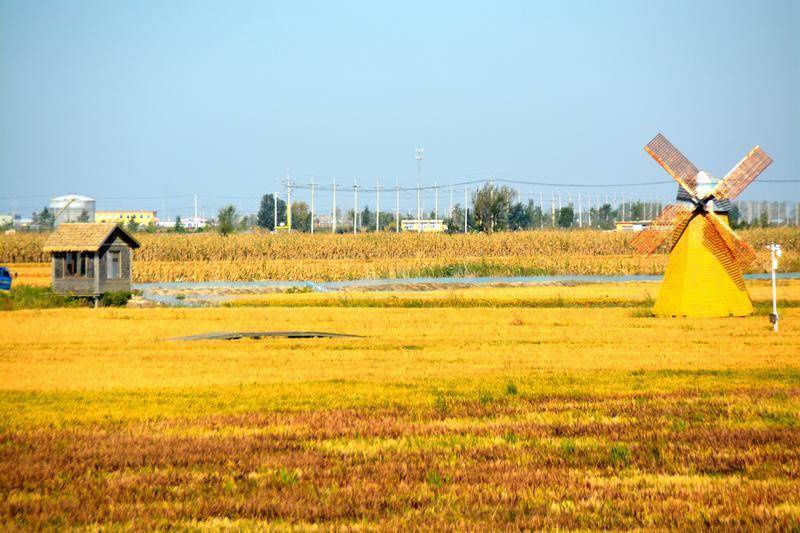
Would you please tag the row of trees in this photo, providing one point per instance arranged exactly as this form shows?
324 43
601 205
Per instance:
493 209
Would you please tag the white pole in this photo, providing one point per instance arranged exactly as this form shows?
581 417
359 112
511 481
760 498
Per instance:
419 216
450 211
378 206
580 210
288 204
466 209
436 201
333 211
355 208
541 209
775 253
419 156
312 205
397 208
195 212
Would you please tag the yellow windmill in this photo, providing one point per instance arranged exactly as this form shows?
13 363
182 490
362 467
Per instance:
704 270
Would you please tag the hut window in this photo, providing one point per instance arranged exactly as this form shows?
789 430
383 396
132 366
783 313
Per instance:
71 263
114 265
75 264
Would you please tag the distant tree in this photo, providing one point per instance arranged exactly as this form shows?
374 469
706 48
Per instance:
248 222
266 212
301 216
536 218
763 218
132 225
150 227
519 217
387 221
366 220
636 211
565 217
179 227
455 222
44 219
491 205
604 217
227 220
84 216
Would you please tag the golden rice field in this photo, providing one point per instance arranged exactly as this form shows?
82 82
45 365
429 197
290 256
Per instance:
464 409
323 257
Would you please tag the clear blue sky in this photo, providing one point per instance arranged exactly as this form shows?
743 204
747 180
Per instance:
147 99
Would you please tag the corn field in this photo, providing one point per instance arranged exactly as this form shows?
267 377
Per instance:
264 256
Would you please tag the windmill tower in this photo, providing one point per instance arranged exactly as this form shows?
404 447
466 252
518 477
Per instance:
704 270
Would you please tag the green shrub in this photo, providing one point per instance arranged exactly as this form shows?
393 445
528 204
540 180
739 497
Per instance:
115 298
511 388
25 297
620 455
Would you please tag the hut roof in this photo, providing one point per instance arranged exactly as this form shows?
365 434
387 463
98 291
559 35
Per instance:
85 237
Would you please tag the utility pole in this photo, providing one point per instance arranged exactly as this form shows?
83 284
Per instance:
419 155
312 205
378 206
553 208
333 211
580 211
466 210
196 223
397 208
274 211
774 253
355 208
541 210
289 203
450 211
491 206
436 201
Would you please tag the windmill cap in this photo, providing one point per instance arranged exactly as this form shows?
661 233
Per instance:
705 178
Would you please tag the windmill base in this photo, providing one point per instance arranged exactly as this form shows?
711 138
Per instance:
697 284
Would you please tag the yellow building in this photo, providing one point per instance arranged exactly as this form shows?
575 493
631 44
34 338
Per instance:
142 218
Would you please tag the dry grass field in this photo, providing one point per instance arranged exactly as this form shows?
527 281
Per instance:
466 411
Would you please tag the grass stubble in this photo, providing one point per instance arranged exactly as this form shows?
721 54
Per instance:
448 416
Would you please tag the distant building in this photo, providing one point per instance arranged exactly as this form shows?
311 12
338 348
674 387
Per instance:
72 208
631 225
166 224
324 221
425 226
141 217
194 222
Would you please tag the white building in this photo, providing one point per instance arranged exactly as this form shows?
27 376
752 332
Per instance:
194 222
425 226
72 208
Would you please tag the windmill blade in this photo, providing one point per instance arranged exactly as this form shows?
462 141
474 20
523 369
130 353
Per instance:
741 252
681 221
674 162
714 241
742 174
664 225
